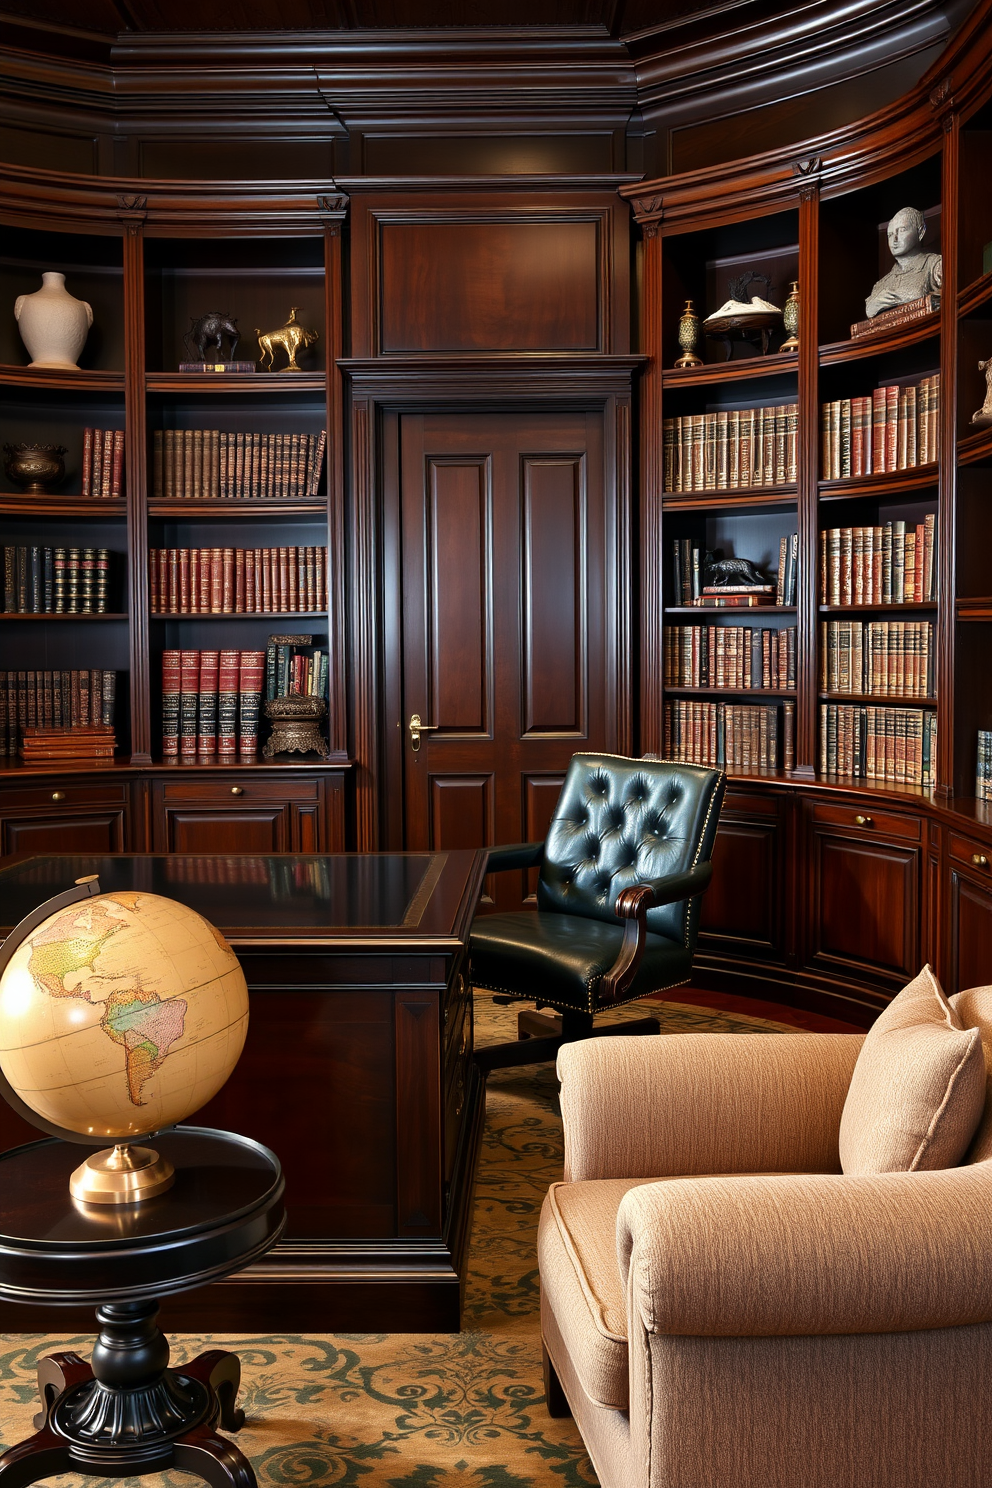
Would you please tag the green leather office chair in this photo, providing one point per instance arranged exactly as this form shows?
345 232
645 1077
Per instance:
622 869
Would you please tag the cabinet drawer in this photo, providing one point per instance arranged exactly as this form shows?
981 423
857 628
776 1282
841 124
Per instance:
222 792
971 854
64 792
865 819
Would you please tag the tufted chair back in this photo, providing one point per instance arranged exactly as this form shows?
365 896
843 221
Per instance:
620 822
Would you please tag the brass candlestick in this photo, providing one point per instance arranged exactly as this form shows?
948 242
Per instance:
790 319
689 332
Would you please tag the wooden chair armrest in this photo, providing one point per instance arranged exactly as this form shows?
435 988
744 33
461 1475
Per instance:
632 907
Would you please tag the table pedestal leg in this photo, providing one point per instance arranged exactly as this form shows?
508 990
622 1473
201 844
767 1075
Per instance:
127 1413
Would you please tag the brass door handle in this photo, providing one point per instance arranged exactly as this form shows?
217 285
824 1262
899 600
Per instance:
863 821
58 795
237 790
417 728
980 860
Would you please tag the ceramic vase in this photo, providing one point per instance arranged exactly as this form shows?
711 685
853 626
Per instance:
53 323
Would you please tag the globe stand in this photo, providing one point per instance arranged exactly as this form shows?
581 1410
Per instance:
123 1174
127 1413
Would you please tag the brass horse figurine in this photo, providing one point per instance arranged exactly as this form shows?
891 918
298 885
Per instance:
292 338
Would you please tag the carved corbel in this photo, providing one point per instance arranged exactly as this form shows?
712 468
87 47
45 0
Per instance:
131 210
336 203
808 170
651 206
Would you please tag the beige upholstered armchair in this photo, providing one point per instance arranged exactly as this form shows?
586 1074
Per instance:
723 1308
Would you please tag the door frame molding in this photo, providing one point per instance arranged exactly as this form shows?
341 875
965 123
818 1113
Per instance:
381 390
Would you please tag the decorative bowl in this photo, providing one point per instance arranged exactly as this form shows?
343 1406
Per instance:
295 726
39 468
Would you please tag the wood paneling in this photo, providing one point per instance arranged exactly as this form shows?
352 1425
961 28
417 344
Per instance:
970 933
418 1127
95 831
489 286
864 906
231 829
554 619
459 595
743 909
462 809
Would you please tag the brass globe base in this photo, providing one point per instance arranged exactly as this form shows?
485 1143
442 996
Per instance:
689 360
121 1175
791 345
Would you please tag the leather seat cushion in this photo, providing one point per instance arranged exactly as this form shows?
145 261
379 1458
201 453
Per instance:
557 958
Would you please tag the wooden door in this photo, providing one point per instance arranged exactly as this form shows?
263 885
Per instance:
508 622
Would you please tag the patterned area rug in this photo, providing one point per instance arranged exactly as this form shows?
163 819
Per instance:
413 1410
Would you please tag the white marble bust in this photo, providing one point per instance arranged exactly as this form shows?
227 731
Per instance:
914 273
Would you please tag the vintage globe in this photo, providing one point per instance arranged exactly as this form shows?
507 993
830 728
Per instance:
120 1014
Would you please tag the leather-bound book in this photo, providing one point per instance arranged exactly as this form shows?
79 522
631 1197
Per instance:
216 581
109 697
189 690
240 606
184 607
170 704
87 581
207 710
227 581
227 704
84 695
107 467
117 465
251 676
251 605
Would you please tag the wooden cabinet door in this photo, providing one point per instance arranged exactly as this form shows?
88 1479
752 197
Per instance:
240 814
746 907
863 911
83 832
970 906
226 829
508 650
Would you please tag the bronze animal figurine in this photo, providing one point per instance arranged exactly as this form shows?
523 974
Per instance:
731 571
209 330
983 415
292 338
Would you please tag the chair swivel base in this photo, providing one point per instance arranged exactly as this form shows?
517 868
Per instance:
542 1035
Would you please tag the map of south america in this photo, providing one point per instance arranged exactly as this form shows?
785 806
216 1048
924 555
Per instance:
144 1025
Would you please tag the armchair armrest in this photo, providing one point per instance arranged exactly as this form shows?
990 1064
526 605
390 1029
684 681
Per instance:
515 855
632 906
804 1255
704 1103
683 885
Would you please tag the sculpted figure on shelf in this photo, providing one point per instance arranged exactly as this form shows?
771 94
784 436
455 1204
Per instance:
914 272
983 415
292 337
207 333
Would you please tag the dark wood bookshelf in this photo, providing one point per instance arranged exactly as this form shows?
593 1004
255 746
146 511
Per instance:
61 616
883 484
875 343
699 610
975 448
83 380
749 497
83 507
877 699
238 615
853 610
264 384
776 364
238 507
974 295
740 692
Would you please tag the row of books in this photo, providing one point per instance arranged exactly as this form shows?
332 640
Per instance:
983 766
211 702
689 569
210 464
895 428
892 563
55 581
732 656
103 463
294 667
53 699
237 581
878 658
731 450
741 735
896 745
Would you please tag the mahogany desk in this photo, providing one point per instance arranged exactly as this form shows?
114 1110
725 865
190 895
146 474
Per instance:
357 1070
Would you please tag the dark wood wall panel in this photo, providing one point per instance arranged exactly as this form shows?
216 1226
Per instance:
553 554
489 286
461 810
865 906
971 934
459 634
744 901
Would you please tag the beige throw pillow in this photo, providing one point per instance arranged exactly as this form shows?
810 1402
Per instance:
918 1088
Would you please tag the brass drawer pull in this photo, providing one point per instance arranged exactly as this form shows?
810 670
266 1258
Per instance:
237 790
58 795
863 821
980 860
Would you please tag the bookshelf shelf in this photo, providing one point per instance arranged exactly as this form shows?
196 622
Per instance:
83 381
749 610
979 608
60 618
238 507
975 295
877 699
265 384
975 448
916 478
737 692
267 615
753 498
879 609
746 370
877 343
82 507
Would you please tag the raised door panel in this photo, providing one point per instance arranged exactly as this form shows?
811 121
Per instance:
970 933
231 829
88 832
489 286
864 911
459 595
743 911
554 597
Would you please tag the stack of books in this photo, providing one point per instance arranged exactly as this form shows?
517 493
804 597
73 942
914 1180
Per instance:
893 429
210 704
209 464
897 745
49 699
737 657
237 581
733 450
86 741
886 564
740 735
983 767
55 581
879 658
103 463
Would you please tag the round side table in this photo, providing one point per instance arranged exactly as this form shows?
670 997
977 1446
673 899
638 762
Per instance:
126 1412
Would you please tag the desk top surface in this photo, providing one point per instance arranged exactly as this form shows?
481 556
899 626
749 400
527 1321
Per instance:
271 898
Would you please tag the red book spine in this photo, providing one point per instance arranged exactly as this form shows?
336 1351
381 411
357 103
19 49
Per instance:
227 581
311 579
189 693
216 581
153 600
293 575
283 600
87 462
163 580
173 581
96 468
266 580
184 581
170 705
108 463
252 671
207 711
203 605
320 579
240 586
250 603
195 565
227 704
117 465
